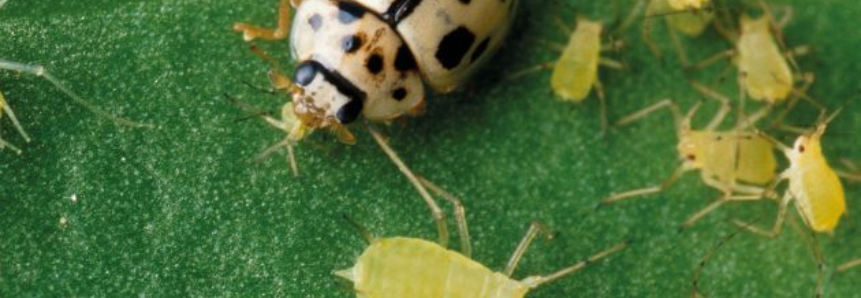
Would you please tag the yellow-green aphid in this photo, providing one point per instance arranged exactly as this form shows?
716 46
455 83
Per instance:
689 18
764 67
813 185
41 72
417 268
576 71
738 162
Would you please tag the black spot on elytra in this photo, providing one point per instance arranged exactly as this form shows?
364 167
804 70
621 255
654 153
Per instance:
399 94
349 112
480 49
374 63
351 43
400 10
348 12
315 21
454 46
305 73
404 60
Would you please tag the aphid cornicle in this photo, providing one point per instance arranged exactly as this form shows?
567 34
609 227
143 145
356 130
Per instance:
738 162
40 71
369 58
417 268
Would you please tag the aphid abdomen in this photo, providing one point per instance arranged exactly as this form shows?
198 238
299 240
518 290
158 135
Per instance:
819 196
576 71
415 268
765 71
691 23
756 164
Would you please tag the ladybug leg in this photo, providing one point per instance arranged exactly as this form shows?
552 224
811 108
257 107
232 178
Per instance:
250 32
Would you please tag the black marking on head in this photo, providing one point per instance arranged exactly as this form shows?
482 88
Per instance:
350 111
404 60
399 94
400 10
349 11
479 50
351 43
465 1
454 46
374 63
315 21
305 73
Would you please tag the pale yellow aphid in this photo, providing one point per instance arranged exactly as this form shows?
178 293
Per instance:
41 72
813 185
417 268
738 162
764 67
688 4
576 72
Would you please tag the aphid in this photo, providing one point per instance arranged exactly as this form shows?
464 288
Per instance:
813 185
41 72
576 72
417 268
764 68
368 58
738 162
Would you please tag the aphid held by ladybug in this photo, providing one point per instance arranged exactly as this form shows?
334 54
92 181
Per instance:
765 68
369 58
738 162
40 71
417 268
575 74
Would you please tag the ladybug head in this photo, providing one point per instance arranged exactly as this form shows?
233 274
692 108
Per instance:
324 98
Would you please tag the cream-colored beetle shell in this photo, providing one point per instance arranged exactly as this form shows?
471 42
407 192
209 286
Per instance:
386 47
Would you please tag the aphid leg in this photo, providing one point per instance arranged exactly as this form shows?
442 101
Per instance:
40 71
717 203
360 229
534 229
680 50
536 281
725 108
816 252
614 46
438 215
663 104
648 190
646 29
4 107
778 224
530 70
707 258
250 32
459 214
602 101
714 59
631 17
848 265
852 171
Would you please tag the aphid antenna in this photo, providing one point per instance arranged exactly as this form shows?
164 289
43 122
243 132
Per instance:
534 229
39 71
713 251
359 228
250 110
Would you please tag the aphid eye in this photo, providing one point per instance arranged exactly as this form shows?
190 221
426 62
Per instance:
692 157
801 148
349 112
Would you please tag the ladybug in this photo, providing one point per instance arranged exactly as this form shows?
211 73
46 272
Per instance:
372 58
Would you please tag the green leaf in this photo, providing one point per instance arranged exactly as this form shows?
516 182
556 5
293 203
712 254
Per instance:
183 210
